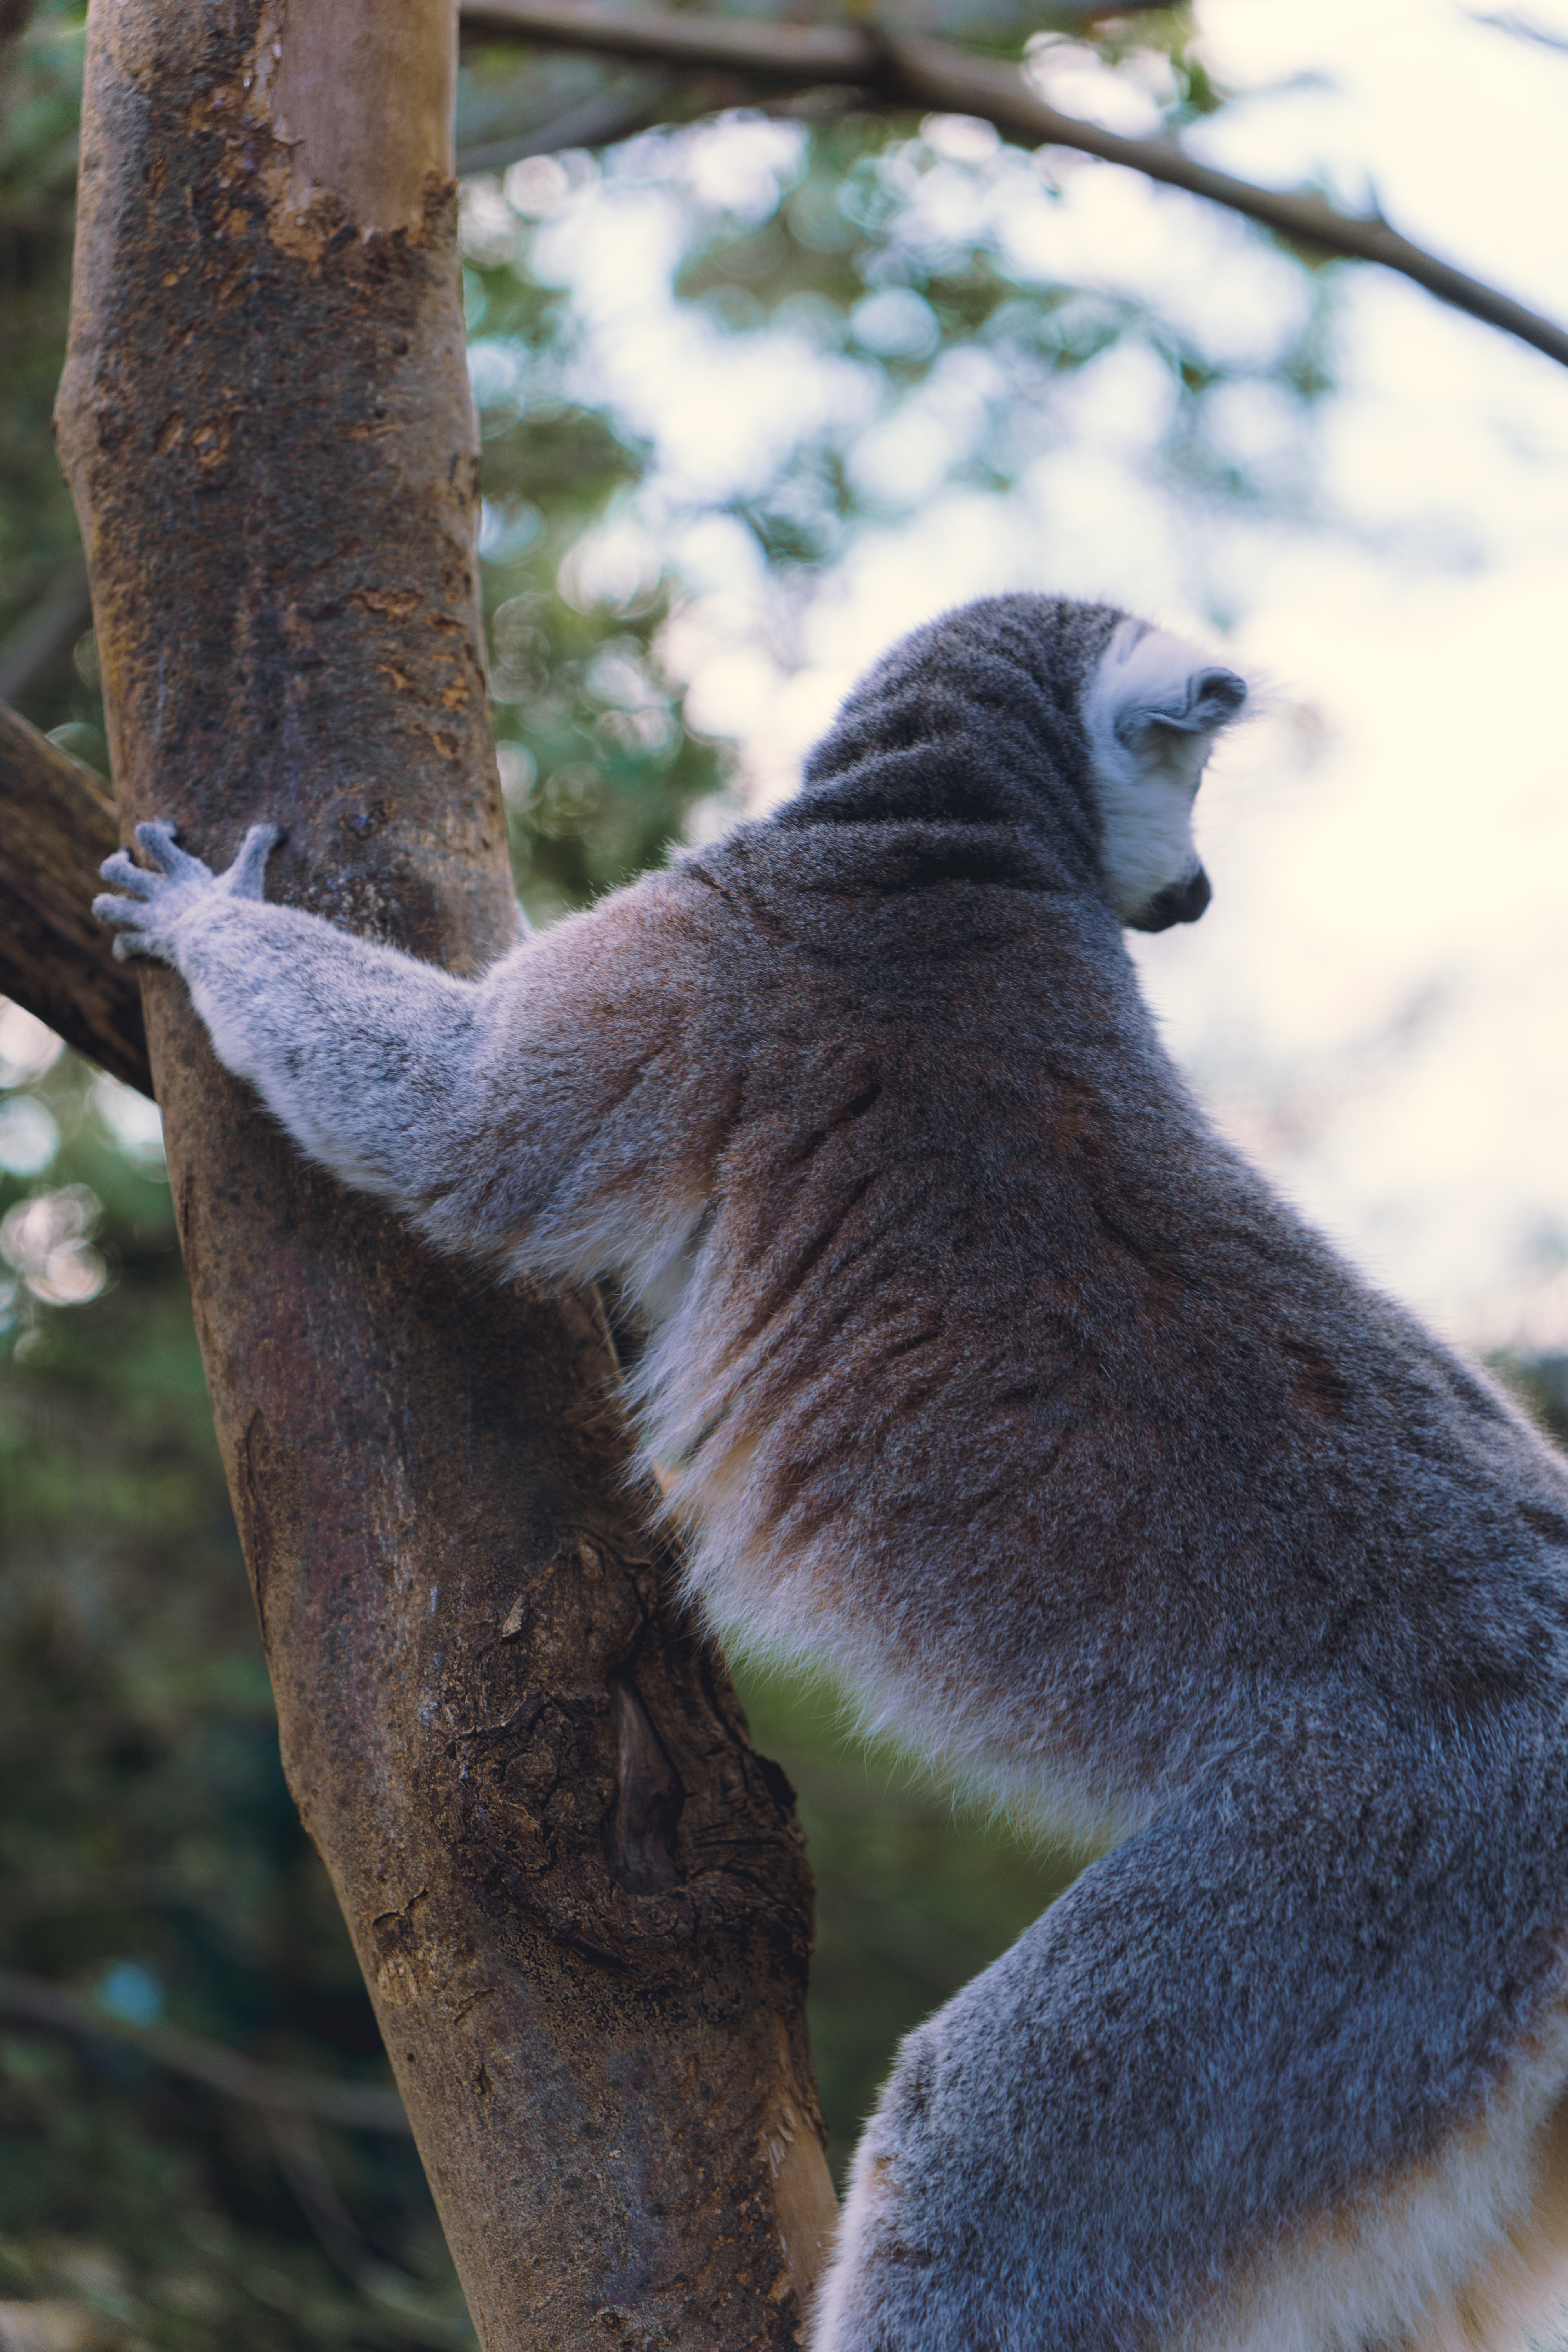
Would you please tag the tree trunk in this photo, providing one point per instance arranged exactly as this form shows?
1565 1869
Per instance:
580 1899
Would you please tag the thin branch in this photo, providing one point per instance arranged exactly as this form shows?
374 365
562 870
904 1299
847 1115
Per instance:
599 121
748 45
89 1730
360 2105
1507 20
939 75
131 1886
400 2299
293 2105
936 74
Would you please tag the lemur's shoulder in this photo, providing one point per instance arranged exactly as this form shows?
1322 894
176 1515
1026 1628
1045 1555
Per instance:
870 907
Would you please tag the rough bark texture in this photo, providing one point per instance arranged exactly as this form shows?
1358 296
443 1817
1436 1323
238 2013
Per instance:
579 1896
56 826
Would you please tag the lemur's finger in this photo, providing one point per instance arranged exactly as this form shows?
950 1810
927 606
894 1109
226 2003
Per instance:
133 943
123 869
245 875
157 838
111 909
132 936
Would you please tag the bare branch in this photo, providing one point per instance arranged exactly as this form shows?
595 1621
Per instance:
57 826
749 45
1508 20
939 75
918 71
297 2145
610 115
360 2105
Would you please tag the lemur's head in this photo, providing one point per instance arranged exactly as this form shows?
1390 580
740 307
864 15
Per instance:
1152 707
1086 726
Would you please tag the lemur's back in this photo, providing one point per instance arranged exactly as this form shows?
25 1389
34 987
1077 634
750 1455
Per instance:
983 1317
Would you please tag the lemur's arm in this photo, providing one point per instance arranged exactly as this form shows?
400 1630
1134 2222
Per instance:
361 1051
487 1111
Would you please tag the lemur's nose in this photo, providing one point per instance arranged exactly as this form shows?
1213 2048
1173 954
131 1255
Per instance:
1220 689
1178 902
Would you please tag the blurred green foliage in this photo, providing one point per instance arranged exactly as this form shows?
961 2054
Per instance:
149 1858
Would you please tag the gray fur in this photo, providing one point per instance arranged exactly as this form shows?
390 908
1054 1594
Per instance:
983 1369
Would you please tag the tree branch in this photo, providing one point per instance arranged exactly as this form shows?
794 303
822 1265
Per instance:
362 2106
929 73
599 121
57 826
411 2307
749 45
1507 20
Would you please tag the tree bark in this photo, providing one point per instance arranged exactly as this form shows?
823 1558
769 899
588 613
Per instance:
580 1898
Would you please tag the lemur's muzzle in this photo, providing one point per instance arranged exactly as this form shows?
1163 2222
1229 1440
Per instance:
1178 902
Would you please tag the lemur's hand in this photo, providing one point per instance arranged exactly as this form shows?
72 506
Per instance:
160 897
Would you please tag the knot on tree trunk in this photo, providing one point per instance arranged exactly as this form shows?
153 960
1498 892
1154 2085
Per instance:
582 1791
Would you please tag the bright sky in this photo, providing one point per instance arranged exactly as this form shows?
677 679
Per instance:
1378 1001
1381 1004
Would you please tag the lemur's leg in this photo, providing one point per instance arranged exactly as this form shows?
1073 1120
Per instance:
1275 2076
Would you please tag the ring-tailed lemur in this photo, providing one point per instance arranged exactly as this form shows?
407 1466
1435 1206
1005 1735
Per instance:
991 1374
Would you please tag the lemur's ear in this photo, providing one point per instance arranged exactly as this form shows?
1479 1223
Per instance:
1161 700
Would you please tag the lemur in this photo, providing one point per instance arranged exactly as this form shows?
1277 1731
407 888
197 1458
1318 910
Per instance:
989 1373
